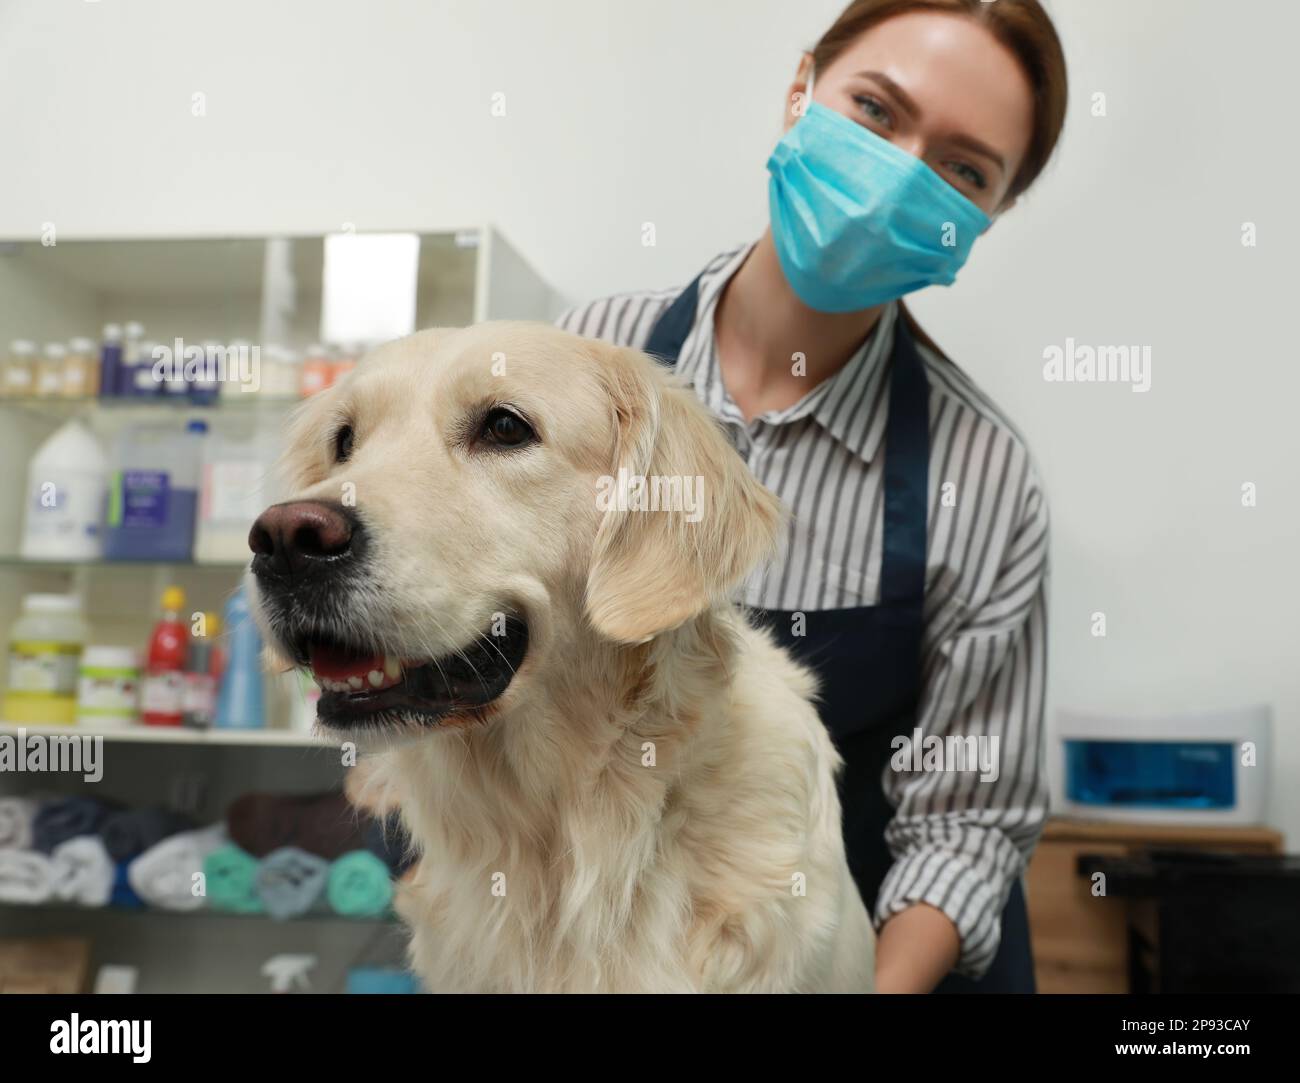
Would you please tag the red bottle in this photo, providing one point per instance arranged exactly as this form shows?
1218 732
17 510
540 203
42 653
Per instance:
163 694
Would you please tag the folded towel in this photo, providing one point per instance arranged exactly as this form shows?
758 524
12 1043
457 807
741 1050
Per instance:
387 840
16 815
131 832
65 818
83 871
25 876
289 881
322 824
359 885
231 874
165 874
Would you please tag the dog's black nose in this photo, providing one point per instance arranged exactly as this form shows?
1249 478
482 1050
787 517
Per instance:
291 538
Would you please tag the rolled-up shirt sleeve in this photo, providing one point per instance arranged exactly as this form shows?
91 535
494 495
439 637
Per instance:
959 841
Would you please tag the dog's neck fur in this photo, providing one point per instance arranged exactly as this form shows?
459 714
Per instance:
550 846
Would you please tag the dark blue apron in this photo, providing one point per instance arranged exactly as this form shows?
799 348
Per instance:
869 657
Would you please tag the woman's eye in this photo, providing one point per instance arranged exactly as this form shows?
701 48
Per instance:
343 444
506 429
970 175
874 111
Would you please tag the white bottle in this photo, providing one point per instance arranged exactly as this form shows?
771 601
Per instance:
237 486
20 370
49 371
66 485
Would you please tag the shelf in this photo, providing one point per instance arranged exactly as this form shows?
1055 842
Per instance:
28 564
59 408
178 735
71 909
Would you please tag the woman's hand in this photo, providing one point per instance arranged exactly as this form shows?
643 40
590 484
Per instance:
915 950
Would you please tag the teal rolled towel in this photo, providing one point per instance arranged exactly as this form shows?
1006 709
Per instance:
231 876
360 885
290 880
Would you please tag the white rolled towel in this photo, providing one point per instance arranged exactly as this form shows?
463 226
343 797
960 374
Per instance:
164 874
83 871
16 816
25 877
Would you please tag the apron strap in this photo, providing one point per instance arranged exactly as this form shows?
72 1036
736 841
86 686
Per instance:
671 329
907 476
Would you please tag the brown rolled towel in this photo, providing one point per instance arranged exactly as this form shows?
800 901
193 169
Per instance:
323 824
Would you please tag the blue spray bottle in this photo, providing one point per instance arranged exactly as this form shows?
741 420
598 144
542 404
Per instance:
240 699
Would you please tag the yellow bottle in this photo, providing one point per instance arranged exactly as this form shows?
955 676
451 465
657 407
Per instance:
44 654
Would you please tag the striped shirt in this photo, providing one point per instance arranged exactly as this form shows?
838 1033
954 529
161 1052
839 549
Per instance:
958 842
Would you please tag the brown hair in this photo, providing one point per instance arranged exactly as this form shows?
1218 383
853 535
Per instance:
1022 26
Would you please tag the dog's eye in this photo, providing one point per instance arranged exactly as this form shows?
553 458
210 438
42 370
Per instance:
506 429
343 444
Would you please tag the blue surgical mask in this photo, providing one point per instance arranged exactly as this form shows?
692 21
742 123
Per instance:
857 221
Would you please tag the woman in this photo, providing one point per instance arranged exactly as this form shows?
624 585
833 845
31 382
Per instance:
914 573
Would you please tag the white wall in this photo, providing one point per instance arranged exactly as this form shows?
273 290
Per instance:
620 112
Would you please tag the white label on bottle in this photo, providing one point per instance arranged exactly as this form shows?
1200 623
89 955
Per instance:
163 692
45 667
234 490
107 693
63 513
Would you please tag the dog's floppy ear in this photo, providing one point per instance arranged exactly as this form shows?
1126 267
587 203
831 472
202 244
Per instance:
653 569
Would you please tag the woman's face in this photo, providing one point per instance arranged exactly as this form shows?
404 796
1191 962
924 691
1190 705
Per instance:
940 87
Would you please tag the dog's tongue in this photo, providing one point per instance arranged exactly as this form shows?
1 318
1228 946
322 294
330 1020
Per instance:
338 664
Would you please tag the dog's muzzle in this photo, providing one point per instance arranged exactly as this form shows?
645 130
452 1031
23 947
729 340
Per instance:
310 562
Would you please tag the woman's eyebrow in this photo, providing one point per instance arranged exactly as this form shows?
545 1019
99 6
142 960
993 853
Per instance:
904 99
905 102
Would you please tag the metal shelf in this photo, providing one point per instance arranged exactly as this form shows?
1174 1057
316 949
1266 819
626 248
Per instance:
178 735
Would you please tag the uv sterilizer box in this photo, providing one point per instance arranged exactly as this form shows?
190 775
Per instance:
1175 769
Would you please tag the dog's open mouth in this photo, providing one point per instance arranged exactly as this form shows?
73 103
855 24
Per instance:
365 687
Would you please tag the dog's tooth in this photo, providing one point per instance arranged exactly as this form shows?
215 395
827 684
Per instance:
375 677
354 683
392 667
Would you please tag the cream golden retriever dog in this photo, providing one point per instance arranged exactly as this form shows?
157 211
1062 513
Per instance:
613 782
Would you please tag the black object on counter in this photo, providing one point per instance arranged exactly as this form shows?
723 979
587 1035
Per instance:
1207 922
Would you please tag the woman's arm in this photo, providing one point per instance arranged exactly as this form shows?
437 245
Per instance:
960 841
915 950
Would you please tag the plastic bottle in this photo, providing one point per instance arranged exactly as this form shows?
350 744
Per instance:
174 385
207 386
240 700
20 370
49 371
164 680
80 370
202 670
44 650
108 688
66 483
110 361
137 370
153 492
234 491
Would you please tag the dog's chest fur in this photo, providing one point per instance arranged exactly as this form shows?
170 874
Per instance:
682 835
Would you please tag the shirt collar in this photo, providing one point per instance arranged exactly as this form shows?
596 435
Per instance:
850 406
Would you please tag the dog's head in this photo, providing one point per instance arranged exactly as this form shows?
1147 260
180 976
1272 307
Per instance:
470 504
